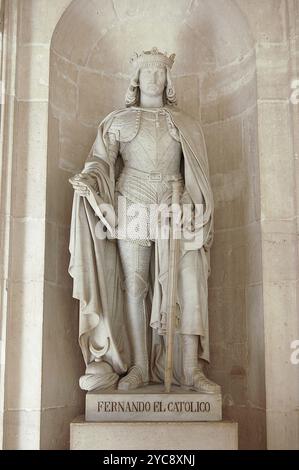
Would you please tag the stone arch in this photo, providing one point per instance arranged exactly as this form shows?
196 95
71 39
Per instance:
215 77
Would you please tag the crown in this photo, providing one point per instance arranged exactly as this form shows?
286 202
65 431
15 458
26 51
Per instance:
152 58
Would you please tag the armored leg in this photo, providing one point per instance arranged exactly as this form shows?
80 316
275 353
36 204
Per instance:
135 262
193 375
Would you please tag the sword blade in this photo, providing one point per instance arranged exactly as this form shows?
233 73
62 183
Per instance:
174 252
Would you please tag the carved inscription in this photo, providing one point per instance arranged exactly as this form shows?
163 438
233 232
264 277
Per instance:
153 407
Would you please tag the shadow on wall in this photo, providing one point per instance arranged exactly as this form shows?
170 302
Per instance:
215 77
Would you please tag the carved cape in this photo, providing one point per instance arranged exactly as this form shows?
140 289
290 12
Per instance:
95 265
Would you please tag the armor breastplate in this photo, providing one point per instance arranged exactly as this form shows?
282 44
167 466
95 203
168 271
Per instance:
152 147
156 146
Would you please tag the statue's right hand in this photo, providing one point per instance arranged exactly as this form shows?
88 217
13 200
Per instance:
81 184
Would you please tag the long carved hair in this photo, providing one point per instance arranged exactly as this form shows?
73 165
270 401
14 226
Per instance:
133 93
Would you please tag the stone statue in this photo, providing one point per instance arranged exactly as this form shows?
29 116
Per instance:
121 281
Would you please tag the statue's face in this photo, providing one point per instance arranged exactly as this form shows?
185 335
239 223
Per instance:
152 80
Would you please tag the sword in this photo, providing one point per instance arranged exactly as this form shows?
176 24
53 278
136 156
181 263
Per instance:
174 252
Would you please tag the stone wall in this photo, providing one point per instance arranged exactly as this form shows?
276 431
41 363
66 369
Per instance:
277 67
215 80
25 369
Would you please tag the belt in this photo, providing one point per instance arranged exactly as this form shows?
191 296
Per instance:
151 176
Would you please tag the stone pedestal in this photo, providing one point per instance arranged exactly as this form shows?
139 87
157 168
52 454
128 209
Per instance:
149 418
152 404
154 436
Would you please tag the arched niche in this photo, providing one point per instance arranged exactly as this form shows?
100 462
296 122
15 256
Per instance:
215 77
